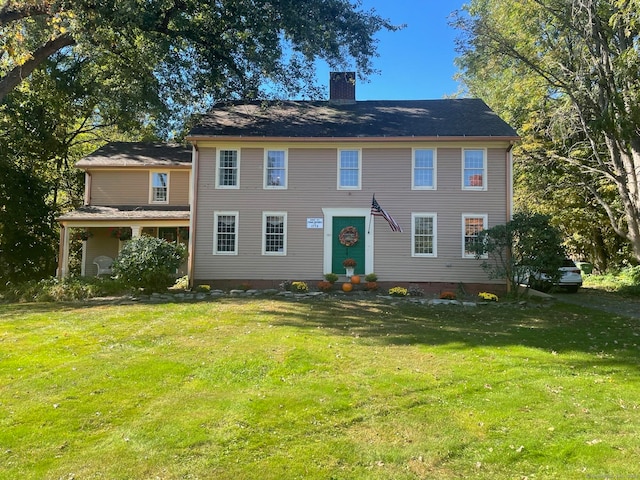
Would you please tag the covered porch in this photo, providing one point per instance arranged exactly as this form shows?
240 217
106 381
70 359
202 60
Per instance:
103 231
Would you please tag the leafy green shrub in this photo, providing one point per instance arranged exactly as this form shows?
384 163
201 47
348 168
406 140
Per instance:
331 277
371 277
149 263
633 274
64 290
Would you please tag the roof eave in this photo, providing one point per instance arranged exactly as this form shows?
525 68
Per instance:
437 138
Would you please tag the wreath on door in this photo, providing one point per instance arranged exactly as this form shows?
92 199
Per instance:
348 236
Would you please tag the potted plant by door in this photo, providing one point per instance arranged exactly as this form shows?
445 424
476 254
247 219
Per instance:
349 265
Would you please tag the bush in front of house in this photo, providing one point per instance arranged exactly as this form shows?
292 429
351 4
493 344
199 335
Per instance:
149 263
61 290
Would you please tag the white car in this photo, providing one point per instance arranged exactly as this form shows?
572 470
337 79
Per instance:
571 278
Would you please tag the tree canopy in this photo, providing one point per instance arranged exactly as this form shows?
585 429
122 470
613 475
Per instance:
567 75
75 74
190 50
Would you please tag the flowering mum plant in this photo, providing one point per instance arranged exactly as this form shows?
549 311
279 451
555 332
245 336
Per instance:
447 296
398 292
488 297
349 262
325 286
299 287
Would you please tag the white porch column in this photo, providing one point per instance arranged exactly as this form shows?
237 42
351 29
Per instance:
65 253
135 231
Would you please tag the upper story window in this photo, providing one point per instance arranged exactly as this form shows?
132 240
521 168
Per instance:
349 169
228 169
225 233
275 169
474 170
424 169
159 192
274 238
423 232
472 225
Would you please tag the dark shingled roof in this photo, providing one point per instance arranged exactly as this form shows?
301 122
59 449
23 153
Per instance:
137 154
464 117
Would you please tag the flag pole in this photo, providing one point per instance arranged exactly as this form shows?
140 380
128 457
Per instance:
370 214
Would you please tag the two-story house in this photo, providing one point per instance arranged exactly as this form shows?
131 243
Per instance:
284 190
130 189
276 184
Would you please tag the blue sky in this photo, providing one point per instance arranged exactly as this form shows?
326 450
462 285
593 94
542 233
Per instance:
416 62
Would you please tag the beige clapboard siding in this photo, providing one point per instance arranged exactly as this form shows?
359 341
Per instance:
312 185
131 187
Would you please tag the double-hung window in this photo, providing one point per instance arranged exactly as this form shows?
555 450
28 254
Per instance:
424 169
159 192
474 169
225 233
228 168
275 169
472 225
423 231
274 233
349 170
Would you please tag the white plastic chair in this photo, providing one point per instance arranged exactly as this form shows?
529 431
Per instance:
104 264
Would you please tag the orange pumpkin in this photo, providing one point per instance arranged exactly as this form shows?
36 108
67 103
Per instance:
347 287
355 279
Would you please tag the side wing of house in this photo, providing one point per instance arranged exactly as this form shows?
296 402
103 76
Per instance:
272 211
130 189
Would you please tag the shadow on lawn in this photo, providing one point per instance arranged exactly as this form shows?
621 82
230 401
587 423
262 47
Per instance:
558 328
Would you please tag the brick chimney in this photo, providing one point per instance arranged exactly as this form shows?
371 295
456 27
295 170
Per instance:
342 87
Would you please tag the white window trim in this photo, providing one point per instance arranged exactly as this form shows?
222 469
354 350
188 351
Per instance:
264 234
434 216
485 222
218 177
151 200
265 183
484 170
359 186
217 214
435 170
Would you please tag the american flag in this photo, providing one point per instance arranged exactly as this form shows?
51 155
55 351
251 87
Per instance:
377 210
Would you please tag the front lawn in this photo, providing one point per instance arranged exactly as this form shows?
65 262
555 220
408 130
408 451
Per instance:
328 388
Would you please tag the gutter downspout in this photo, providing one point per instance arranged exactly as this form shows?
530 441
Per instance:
195 157
508 158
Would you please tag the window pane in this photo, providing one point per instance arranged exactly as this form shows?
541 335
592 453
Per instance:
226 233
159 187
228 174
276 168
472 226
274 234
423 168
423 236
474 168
349 168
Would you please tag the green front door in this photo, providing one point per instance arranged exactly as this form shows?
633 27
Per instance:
355 251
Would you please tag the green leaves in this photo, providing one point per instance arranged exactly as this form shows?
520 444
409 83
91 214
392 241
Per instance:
149 263
565 74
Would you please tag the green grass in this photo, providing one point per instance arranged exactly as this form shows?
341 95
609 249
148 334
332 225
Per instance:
319 389
624 283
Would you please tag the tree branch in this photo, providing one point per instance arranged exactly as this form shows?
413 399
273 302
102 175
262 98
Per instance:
20 72
10 13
